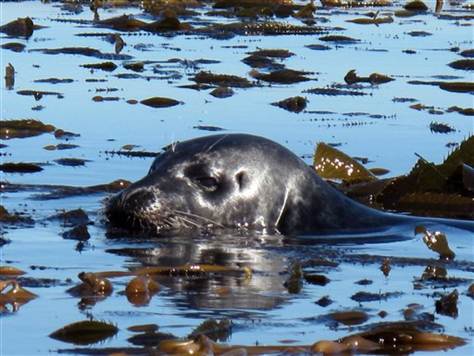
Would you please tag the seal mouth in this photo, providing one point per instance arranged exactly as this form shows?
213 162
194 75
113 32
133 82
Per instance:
125 211
160 224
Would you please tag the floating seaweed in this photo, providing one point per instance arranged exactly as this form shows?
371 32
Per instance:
331 163
437 189
14 46
140 290
222 80
436 241
85 332
294 104
21 167
374 78
282 76
464 64
38 94
334 92
222 92
372 20
15 297
84 51
23 128
160 102
21 27
107 66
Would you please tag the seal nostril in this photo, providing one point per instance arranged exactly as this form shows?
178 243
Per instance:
241 179
129 202
137 199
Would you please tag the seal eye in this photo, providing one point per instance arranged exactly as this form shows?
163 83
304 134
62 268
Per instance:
209 183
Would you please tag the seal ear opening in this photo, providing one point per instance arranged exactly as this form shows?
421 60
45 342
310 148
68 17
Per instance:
241 179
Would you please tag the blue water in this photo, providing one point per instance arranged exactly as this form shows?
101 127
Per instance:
389 142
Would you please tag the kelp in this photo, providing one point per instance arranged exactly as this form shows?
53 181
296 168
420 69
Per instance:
9 76
294 104
85 332
83 51
268 28
71 162
107 66
447 304
214 329
15 297
23 128
355 3
14 46
416 5
140 290
330 163
222 80
331 91
10 270
282 76
339 39
429 187
160 102
463 64
372 20
457 87
8 218
20 167
64 191
222 92
21 27
273 53
391 337
122 23
444 190
222 4
436 241
374 78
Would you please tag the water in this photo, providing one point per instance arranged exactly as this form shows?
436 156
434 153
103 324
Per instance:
262 310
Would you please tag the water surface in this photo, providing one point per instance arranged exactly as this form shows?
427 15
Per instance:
262 310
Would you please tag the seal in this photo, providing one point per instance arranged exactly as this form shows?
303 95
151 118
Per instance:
240 181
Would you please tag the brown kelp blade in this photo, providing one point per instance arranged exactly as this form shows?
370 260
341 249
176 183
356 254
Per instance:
85 332
331 163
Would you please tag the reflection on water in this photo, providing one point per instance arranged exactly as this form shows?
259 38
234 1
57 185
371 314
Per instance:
225 294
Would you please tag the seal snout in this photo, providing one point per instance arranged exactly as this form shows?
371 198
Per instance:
125 208
137 199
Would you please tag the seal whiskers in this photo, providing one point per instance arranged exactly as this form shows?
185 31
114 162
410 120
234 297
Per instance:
215 223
